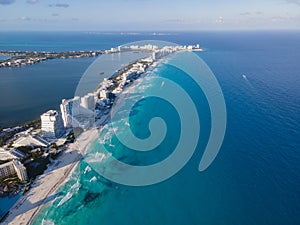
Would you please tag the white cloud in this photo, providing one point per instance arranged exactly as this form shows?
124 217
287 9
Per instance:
25 18
220 20
276 19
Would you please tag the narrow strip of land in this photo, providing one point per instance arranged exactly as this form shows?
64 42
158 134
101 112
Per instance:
22 58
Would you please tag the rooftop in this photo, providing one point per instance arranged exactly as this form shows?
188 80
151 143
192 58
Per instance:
30 140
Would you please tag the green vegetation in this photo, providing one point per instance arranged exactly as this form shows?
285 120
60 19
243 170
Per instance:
25 149
37 167
2 142
36 124
54 156
10 144
71 138
20 58
9 186
6 137
3 161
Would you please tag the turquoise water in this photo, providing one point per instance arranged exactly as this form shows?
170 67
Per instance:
254 180
28 91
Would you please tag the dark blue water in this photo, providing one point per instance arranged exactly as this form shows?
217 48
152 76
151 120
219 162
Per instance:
52 80
6 203
26 92
256 177
71 41
65 74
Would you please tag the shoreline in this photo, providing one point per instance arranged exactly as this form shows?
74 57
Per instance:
44 188
21 212
24 58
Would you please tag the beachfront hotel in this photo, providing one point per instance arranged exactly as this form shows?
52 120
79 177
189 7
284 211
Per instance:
78 111
88 101
52 124
12 168
69 108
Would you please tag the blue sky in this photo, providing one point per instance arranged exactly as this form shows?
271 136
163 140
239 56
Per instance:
149 14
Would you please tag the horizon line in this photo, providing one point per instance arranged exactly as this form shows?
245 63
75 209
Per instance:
147 31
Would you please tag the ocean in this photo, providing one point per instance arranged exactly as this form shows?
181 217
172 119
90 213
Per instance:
255 178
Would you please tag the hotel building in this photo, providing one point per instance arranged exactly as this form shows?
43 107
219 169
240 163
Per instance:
13 167
52 124
69 108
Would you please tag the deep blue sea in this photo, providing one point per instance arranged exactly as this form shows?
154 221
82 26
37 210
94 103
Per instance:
255 178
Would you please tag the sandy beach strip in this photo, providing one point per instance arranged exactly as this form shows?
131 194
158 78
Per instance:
43 188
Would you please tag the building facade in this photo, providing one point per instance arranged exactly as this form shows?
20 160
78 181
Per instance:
12 168
20 170
52 124
88 101
69 108
7 169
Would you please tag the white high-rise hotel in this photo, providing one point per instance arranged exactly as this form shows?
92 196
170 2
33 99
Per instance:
88 101
52 124
69 108
76 111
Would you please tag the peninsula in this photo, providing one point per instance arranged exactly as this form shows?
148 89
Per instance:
22 58
62 138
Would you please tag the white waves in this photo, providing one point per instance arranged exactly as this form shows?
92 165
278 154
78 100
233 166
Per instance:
73 190
108 135
87 169
97 157
93 179
47 222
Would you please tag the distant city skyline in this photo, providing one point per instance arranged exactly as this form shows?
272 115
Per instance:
154 15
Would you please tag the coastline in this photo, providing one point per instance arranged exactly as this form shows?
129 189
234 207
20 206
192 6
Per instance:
45 187
57 174
23 58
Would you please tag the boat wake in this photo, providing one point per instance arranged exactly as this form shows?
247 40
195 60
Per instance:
252 88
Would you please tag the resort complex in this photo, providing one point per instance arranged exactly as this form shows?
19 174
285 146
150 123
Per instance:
31 148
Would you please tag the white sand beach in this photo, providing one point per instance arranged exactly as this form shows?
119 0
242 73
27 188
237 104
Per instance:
44 187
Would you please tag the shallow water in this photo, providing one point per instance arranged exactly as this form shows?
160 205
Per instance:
254 179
